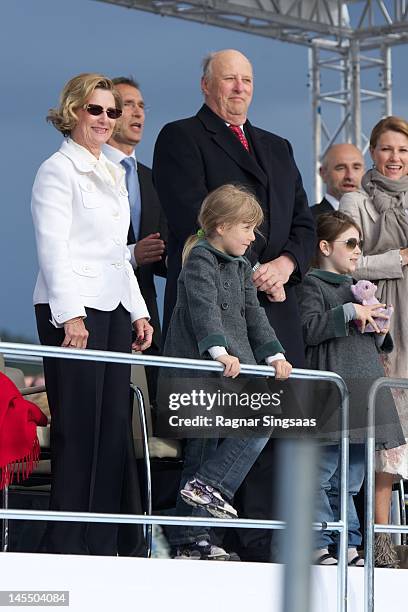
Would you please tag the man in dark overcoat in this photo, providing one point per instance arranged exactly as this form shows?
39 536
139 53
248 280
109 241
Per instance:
217 146
148 230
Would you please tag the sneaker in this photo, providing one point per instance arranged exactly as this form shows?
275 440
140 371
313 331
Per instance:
202 551
197 493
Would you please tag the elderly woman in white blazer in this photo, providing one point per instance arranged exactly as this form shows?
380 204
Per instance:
86 295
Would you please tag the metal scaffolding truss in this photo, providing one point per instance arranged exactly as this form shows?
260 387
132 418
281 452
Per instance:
348 41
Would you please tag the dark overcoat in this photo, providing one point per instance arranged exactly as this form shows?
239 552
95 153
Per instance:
322 207
195 156
335 345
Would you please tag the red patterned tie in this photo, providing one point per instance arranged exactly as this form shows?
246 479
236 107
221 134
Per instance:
240 135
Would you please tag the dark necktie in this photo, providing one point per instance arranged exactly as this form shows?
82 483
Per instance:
133 187
235 129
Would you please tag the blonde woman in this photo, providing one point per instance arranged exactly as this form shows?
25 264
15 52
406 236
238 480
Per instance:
380 209
86 296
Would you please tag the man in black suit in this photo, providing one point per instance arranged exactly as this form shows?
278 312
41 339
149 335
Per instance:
148 229
196 155
341 170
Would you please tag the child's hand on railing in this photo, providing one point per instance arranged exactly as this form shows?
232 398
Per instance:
232 365
283 369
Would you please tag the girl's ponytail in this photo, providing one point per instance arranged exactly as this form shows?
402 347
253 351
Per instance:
189 244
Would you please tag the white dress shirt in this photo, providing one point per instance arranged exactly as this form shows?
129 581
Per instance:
116 155
332 200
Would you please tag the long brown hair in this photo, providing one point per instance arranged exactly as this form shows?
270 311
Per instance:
228 204
329 227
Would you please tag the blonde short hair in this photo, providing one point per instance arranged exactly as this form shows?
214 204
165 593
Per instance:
75 95
228 204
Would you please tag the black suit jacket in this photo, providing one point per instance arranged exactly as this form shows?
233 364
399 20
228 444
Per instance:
152 220
196 155
323 207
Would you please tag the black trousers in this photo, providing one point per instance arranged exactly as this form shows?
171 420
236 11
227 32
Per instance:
92 456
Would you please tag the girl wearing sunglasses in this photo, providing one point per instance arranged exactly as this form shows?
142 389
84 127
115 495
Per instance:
87 296
334 342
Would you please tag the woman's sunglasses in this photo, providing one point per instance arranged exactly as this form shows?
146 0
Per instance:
351 243
96 109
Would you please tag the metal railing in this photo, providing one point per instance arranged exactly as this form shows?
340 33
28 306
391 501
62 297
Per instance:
371 528
25 352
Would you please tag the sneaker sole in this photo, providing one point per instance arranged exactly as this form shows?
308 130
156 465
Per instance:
213 510
222 557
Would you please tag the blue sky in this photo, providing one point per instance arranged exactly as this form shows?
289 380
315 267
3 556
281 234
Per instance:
43 43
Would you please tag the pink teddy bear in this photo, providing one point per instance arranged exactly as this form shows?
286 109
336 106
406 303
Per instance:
364 292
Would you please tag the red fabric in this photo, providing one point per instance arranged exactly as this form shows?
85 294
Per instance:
19 446
240 135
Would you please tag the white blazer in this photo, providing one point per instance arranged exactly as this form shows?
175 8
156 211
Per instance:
81 218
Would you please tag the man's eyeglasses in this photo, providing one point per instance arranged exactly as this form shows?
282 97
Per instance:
351 243
96 109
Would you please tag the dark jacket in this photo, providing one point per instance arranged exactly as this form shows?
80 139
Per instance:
195 156
217 305
337 346
323 207
152 220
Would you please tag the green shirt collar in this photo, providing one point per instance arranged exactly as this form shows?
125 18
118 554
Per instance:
330 277
204 243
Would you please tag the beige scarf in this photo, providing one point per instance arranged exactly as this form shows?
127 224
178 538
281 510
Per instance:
390 199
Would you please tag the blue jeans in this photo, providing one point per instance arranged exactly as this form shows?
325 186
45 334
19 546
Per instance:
224 465
327 497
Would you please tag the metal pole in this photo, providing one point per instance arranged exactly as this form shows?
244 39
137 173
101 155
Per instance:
355 92
386 79
369 507
344 487
371 527
298 457
5 523
314 71
346 110
403 510
146 454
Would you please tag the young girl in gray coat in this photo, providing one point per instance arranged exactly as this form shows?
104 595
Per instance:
218 316
334 342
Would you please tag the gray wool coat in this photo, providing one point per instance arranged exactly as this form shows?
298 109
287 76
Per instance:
337 346
217 305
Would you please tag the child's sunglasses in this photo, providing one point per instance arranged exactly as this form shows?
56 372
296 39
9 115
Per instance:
351 243
96 109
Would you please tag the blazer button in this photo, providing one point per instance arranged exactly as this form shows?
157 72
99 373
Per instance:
224 306
227 284
242 312
221 266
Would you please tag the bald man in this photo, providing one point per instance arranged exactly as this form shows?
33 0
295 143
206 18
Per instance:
217 146
341 170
